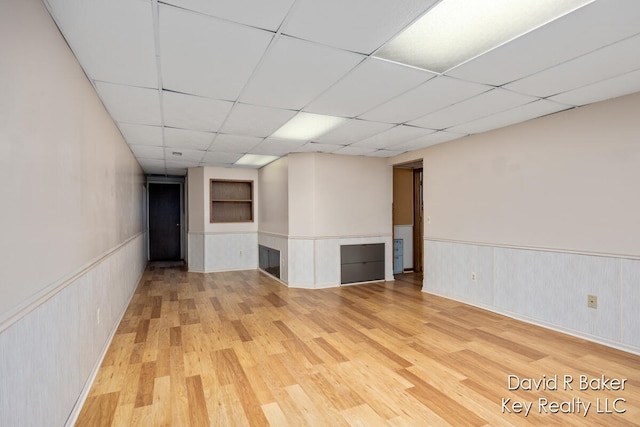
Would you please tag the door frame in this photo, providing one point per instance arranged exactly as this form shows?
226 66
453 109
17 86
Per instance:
418 220
416 167
176 180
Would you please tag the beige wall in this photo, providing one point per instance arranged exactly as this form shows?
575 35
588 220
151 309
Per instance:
73 246
195 190
332 195
274 193
71 190
302 187
568 181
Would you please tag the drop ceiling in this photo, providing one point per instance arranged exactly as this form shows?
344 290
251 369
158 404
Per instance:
201 83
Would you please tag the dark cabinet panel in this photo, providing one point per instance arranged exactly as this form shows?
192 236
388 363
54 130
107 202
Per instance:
269 260
361 263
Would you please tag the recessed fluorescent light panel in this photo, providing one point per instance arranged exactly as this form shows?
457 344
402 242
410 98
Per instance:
455 31
307 126
255 160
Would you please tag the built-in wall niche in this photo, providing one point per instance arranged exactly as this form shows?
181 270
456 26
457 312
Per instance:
231 200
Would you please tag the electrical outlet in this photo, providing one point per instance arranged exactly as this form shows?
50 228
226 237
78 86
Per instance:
428 219
474 277
592 301
240 252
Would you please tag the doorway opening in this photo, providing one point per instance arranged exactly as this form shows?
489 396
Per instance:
165 218
408 224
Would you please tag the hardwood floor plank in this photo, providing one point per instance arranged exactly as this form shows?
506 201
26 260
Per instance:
162 402
243 334
98 410
239 348
274 414
144 396
198 414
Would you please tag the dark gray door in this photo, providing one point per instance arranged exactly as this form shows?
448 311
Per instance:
164 222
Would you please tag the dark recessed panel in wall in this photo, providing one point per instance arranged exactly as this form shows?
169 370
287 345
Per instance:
269 260
361 263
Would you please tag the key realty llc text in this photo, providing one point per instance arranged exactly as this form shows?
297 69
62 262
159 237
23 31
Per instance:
575 405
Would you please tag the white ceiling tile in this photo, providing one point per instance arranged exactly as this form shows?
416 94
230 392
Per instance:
371 83
432 95
522 113
393 136
182 164
257 13
355 151
610 88
182 138
253 120
593 26
148 152
428 140
234 143
353 130
141 134
176 171
186 155
122 53
194 112
155 170
276 147
151 163
207 56
385 153
294 72
316 147
355 25
613 60
130 104
214 158
483 105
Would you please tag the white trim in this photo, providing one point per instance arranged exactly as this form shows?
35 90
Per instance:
30 304
269 233
215 233
75 412
598 340
354 236
365 283
536 248
223 270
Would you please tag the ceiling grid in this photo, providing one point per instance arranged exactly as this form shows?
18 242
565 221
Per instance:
193 83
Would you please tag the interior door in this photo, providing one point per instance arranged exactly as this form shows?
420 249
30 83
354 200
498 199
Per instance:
164 222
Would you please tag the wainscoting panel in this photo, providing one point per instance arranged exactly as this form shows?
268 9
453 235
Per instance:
547 287
630 302
49 356
554 286
301 263
224 252
449 268
327 263
195 255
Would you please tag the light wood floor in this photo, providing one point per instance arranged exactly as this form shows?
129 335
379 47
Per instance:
239 348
